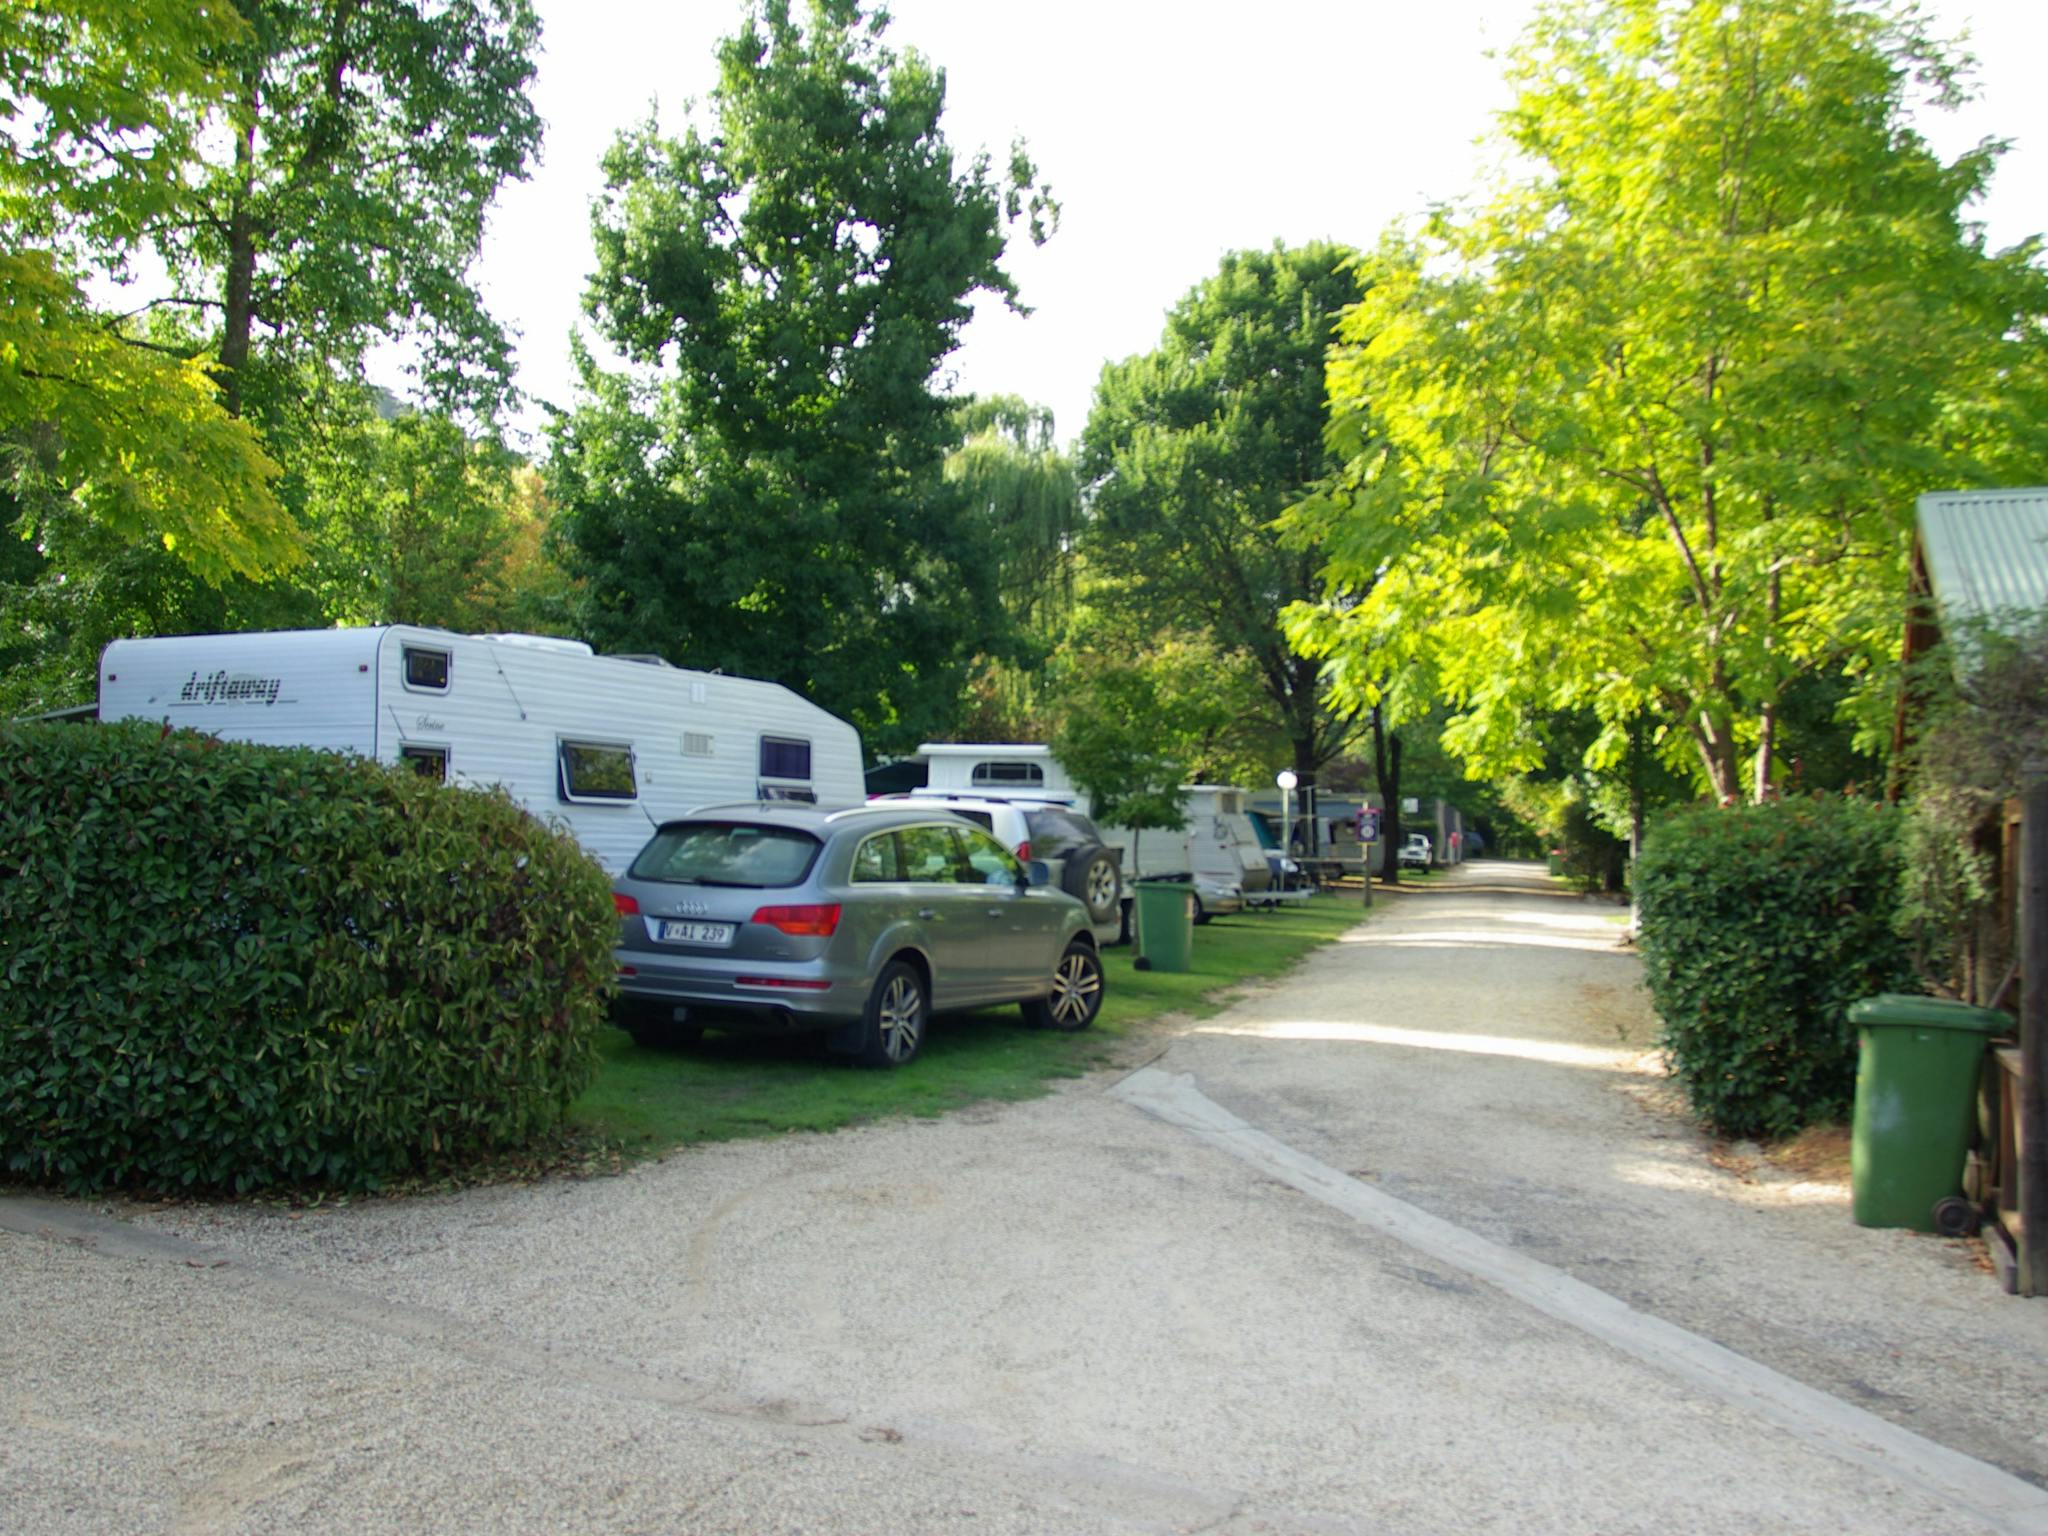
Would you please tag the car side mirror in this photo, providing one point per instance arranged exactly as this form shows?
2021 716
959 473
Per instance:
1036 872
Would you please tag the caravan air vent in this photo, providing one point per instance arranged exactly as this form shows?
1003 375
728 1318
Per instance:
645 659
697 744
543 643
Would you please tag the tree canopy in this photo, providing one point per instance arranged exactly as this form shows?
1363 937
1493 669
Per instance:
1641 434
1023 489
311 177
101 106
760 487
368 140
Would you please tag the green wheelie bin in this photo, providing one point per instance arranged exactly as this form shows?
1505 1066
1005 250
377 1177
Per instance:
1917 1063
1166 925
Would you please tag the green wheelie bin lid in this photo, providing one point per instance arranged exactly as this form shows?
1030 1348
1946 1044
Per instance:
1909 1011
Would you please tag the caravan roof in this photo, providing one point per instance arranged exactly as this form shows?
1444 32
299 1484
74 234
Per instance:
984 749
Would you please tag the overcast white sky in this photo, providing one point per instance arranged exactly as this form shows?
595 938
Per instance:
1171 134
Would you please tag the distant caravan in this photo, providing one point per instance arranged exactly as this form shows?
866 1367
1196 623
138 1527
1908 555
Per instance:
610 746
1218 850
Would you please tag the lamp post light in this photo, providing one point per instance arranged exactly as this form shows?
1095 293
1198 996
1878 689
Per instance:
1286 780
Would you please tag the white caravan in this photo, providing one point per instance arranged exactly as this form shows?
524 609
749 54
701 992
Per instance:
610 746
1218 843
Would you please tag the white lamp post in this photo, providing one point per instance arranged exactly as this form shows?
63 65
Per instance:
1286 780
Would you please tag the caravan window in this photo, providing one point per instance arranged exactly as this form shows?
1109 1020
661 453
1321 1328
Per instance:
783 757
1008 775
593 770
427 762
426 670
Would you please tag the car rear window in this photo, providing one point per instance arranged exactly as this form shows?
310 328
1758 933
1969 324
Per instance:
739 853
1055 831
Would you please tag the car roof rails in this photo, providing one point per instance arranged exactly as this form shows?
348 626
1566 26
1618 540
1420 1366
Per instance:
1000 796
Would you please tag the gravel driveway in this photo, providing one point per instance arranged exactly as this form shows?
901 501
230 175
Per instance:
1073 1314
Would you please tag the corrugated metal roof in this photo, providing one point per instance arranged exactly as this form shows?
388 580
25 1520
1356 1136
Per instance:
1987 553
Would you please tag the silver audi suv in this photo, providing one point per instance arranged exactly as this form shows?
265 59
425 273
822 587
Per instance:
861 923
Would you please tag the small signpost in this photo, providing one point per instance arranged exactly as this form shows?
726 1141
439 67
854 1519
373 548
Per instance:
1368 835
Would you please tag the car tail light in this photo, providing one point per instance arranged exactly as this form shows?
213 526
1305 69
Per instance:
790 983
1024 850
816 922
626 905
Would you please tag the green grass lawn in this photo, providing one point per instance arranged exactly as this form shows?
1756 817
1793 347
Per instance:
729 1086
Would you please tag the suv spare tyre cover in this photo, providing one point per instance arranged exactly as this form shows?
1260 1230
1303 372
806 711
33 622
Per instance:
1081 880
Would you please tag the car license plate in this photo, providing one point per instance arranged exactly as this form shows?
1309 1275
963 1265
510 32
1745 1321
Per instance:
675 931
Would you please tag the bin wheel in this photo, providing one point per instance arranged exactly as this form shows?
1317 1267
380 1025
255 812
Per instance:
1956 1217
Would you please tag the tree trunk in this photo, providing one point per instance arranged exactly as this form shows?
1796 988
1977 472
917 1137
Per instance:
239 280
1767 738
1635 825
1767 733
1716 745
1386 765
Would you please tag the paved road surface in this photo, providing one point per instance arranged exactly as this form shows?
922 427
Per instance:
1407 1243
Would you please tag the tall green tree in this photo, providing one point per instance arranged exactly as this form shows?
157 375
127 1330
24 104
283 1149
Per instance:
102 106
760 488
413 520
1021 487
1641 435
409 518
1194 450
367 140
1024 489
1115 734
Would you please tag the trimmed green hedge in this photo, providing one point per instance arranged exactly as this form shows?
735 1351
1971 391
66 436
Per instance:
225 965
1760 925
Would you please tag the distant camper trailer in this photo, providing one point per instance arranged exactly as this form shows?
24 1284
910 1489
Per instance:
1219 841
610 746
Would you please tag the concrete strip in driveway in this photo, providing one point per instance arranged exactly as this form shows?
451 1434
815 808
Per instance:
1833 1426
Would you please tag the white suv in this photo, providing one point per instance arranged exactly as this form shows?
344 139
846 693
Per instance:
1059 836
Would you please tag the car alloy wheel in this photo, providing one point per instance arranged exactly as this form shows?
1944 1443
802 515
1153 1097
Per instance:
901 1018
897 1014
1101 885
1090 877
1076 995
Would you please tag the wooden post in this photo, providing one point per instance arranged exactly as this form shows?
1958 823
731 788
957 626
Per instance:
2033 1084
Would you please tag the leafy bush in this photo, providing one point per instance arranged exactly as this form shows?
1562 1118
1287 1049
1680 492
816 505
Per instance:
229 965
1975 737
1760 925
1593 856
